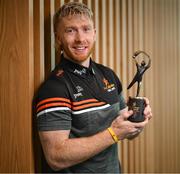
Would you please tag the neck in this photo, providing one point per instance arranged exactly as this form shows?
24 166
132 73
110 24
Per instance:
85 63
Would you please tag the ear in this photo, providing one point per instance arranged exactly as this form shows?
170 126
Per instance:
58 38
58 42
94 34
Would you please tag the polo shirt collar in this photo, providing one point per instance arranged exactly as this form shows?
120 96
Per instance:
77 69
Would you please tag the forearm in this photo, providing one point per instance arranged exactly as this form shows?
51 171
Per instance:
73 151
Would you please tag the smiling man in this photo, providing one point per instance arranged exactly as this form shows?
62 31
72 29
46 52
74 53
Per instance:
81 113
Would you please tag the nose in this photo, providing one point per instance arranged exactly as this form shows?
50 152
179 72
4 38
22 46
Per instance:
80 36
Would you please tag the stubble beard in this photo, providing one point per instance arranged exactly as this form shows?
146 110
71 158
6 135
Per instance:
78 59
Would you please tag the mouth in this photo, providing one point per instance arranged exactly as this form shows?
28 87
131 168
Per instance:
80 48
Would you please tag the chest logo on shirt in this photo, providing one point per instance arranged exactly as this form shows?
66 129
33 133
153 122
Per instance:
80 72
108 86
79 90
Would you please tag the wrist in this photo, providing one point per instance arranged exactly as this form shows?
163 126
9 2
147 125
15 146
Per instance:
113 135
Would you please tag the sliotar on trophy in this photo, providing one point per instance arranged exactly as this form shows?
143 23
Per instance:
137 104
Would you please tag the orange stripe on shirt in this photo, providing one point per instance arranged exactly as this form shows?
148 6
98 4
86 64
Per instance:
84 101
88 105
53 99
53 104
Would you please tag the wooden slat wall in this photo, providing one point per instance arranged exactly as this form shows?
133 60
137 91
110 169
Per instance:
123 26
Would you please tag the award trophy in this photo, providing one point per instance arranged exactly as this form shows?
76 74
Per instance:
137 104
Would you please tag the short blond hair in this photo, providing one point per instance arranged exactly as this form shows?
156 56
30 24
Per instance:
71 8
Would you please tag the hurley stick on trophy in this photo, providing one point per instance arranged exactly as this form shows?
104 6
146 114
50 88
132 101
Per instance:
137 104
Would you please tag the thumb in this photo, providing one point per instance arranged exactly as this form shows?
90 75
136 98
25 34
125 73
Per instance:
127 114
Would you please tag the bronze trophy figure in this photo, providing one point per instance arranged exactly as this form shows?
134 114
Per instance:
137 104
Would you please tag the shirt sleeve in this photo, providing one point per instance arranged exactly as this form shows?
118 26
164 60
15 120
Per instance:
122 102
53 106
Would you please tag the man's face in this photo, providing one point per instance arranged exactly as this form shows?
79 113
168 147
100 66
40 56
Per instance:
76 35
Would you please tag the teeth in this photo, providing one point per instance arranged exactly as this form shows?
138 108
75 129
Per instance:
80 48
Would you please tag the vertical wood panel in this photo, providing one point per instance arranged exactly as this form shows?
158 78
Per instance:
38 42
16 86
96 19
178 85
99 33
52 11
149 81
30 164
47 37
117 38
110 35
38 6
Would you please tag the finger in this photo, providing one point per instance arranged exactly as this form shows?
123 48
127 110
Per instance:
132 130
133 134
147 110
149 116
140 130
146 101
142 124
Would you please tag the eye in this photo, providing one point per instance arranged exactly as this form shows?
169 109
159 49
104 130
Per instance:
70 30
87 29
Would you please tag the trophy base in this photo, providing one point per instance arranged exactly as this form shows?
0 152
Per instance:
137 104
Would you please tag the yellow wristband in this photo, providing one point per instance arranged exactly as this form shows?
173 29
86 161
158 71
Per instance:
115 138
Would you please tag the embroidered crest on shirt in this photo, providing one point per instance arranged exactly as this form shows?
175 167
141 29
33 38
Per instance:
60 73
108 86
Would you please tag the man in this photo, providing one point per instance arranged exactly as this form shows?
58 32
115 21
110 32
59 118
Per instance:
81 114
